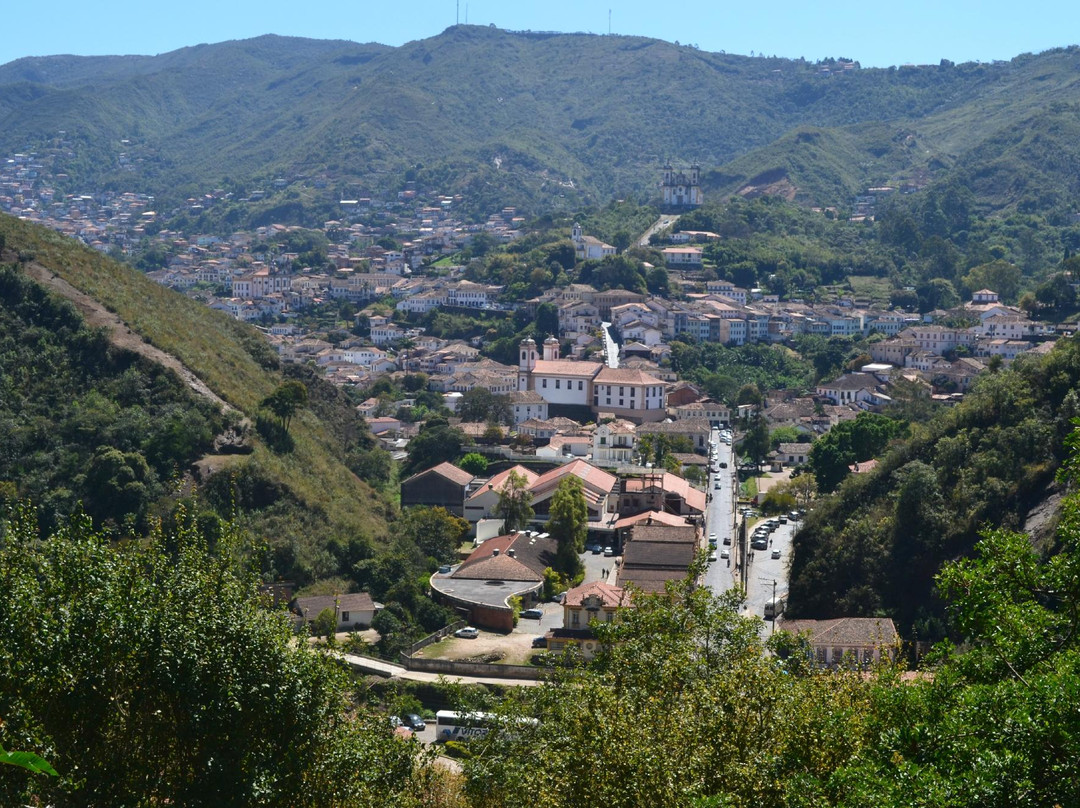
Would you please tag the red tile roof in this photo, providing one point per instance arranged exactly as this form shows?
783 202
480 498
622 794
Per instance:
657 517
626 376
596 480
566 367
608 594
497 482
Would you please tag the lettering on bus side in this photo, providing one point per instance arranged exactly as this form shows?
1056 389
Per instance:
468 733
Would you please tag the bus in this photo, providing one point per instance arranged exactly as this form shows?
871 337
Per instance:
457 726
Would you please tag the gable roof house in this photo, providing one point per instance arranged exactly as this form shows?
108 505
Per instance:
697 430
351 611
483 502
847 641
656 554
850 388
600 488
598 601
793 454
443 486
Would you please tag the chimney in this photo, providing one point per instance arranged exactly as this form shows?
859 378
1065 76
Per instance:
495 552
511 553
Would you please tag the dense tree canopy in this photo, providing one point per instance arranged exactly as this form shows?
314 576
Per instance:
568 523
150 674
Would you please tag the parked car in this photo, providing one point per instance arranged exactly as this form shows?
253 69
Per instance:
723 465
539 642
727 539
597 549
413 722
609 552
776 553
444 569
725 553
467 633
712 556
533 614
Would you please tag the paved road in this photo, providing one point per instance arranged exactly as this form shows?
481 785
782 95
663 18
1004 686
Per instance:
611 348
667 220
720 517
768 575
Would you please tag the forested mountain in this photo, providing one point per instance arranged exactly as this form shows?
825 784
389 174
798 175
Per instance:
516 117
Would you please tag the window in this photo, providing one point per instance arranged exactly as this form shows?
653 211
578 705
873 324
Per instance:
557 383
581 385
545 383
633 392
576 619
344 617
621 404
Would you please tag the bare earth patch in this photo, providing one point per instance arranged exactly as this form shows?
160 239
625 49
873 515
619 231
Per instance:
97 316
512 649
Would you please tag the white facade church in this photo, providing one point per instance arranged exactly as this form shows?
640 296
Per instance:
629 394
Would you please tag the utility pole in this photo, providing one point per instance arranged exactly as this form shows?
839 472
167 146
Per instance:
609 22
773 621
457 11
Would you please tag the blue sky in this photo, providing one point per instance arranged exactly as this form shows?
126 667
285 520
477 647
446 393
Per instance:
878 35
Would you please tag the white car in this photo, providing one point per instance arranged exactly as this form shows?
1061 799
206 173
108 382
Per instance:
468 633
725 553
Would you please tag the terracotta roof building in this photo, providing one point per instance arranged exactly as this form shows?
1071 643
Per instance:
656 554
443 486
854 641
351 611
583 604
499 569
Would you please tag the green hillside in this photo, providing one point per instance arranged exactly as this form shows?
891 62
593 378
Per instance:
509 117
876 545
295 501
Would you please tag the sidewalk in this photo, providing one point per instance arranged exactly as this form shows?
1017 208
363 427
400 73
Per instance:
377 667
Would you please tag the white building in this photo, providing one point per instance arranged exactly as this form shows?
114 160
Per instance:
587 248
629 394
614 444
